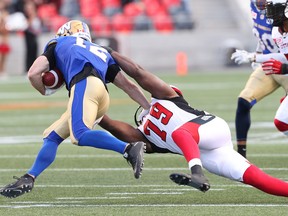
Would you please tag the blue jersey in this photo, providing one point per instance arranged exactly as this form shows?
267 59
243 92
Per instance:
262 28
72 53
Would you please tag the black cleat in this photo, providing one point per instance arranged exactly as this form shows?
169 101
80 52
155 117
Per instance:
23 185
134 154
197 181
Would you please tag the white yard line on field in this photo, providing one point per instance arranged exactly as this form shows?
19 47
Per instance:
73 205
266 137
119 169
89 156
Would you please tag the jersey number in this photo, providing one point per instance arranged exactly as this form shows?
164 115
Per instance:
96 50
161 113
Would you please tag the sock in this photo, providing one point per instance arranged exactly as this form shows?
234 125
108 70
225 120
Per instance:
186 142
242 150
46 155
257 178
243 121
103 140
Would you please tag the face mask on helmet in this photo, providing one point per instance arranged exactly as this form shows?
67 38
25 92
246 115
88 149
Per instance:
277 10
75 28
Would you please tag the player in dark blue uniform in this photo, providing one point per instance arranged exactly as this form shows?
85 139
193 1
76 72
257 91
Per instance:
87 68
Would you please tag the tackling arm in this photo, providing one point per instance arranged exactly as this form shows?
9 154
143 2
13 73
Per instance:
124 131
148 81
131 89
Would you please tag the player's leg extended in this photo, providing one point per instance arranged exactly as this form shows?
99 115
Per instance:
228 163
186 138
53 136
257 87
89 101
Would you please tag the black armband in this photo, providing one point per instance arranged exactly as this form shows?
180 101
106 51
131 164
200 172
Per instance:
284 69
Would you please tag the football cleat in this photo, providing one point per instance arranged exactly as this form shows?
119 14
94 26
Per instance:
197 181
134 154
23 185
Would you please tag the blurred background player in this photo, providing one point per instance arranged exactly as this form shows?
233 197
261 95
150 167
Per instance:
4 38
169 114
258 85
31 33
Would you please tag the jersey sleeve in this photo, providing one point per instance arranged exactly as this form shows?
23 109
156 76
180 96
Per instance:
112 71
49 53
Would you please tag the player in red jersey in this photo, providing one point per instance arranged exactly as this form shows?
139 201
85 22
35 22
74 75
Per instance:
171 125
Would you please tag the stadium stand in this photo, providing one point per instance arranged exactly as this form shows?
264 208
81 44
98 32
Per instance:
108 16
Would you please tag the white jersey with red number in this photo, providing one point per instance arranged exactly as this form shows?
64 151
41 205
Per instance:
215 143
164 118
281 40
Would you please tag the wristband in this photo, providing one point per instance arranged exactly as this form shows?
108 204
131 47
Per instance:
284 69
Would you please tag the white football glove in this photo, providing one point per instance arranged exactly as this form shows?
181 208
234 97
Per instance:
49 91
242 56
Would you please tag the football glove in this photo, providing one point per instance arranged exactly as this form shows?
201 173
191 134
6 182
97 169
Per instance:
242 56
272 66
49 91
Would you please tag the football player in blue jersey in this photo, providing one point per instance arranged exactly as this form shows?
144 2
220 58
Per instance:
87 68
258 85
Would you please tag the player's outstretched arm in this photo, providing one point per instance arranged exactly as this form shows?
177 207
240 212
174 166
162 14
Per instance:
124 131
131 89
148 81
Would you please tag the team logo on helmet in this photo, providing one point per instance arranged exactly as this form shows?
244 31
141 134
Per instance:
74 28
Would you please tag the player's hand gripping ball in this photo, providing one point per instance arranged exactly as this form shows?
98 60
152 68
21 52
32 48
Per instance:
53 79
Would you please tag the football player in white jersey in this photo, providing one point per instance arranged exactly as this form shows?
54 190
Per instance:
258 85
171 125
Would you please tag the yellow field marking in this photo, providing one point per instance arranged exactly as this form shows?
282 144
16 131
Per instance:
44 105
31 105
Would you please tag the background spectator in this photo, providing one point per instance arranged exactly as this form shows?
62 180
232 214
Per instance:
4 35
31 33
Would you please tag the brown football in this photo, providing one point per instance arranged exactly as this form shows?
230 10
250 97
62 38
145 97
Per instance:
53 79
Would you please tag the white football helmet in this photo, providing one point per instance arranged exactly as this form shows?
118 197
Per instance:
75 28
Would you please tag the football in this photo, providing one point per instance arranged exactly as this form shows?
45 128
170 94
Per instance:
53 79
